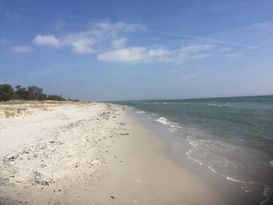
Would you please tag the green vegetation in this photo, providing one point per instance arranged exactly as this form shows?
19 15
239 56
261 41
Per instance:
7 92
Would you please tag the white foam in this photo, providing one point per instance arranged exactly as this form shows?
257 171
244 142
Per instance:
195 160
266 194
197 145
266 191
175 126
235 180
194 144
211 169
271 163
245 182
140 112
162 120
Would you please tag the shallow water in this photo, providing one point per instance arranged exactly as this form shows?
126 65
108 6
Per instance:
232 137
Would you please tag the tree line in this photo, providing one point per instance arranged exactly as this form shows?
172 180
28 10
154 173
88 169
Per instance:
7 92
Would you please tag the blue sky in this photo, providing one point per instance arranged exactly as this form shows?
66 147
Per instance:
116 50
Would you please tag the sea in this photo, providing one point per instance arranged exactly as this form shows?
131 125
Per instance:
231 137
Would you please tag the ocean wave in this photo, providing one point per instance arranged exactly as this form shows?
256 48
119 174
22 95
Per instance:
217 105
175 126
162 120
267 190
211 154
140 112
171 125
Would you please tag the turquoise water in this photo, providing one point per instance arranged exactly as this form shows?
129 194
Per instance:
233 137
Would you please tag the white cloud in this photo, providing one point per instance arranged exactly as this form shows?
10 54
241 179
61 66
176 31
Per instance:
135 54
108 40
21 49
97 35
143 54
81 46
47 40
80 42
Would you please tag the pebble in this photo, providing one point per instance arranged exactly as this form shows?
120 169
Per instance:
96 162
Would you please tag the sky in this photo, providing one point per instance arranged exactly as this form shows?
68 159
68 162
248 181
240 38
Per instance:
144 49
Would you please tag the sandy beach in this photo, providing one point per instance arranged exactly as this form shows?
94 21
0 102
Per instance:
89 153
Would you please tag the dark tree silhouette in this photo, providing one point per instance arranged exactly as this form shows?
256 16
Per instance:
6 92
23 93
55 97
35 93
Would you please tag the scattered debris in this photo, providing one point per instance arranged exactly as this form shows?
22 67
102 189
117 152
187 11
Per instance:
124 133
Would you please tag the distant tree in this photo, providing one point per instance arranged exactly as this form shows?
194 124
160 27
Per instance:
21 92
43 97
35 93
55 97
75 100
6 92
17 87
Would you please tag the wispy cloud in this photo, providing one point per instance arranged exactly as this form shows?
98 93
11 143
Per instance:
4 41
144 54
119 42
195 51
209 40
21 49
111 41
107 40
89 40
11 15
135 54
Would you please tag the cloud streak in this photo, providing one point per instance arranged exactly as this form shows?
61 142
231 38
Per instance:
209 40
21 49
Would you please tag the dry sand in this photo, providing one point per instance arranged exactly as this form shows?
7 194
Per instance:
75 153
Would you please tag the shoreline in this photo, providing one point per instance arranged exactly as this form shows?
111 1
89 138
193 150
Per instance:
162 180
91 154
179 149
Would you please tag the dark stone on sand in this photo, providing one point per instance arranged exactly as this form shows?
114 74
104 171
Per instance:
124 134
